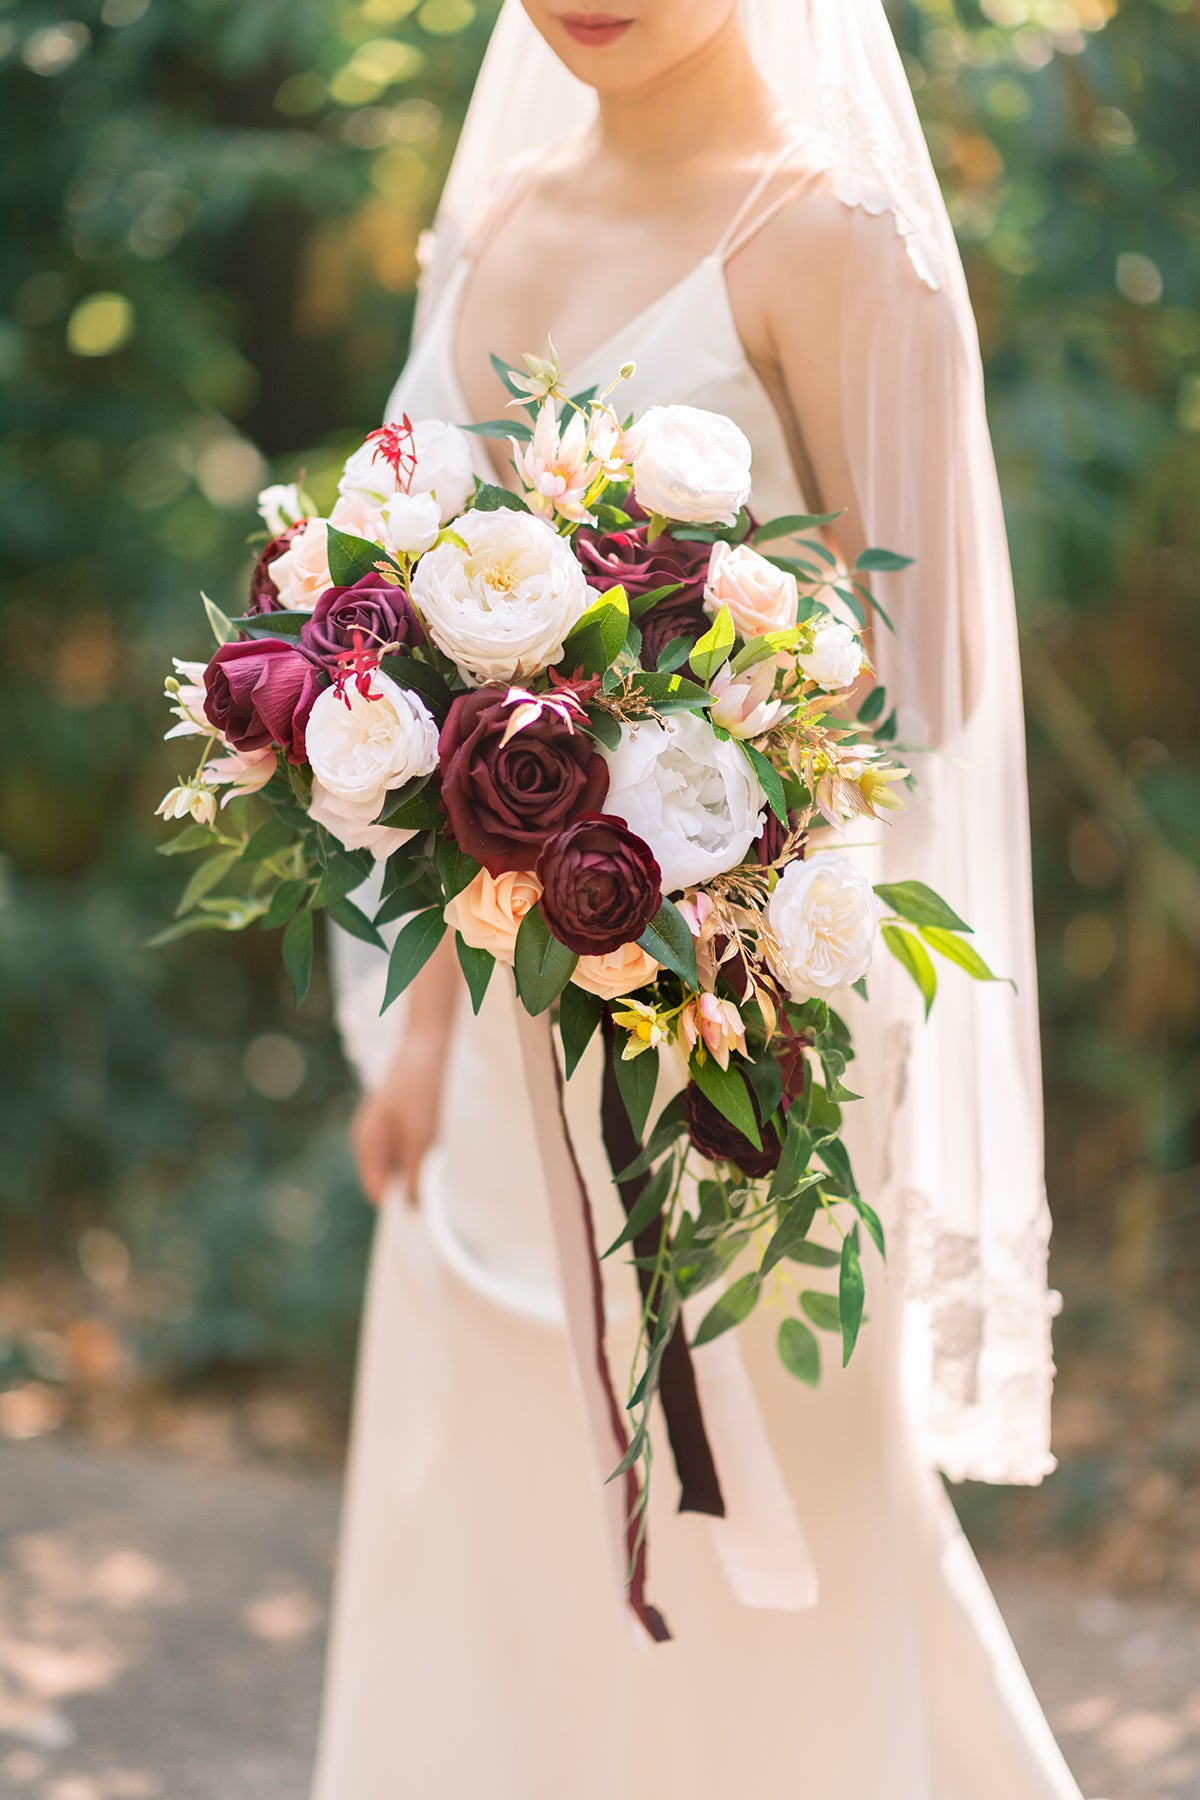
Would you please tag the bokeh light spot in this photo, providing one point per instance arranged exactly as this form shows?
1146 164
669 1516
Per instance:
100 325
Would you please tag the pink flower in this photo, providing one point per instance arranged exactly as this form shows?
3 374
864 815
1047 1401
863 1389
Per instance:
244 770
555 468
715 1023
743 704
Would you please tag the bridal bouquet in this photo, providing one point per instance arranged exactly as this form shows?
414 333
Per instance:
592 727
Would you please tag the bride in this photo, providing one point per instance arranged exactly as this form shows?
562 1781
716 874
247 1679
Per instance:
738 201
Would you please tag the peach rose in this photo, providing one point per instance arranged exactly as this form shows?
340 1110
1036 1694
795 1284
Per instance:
619 972
759 596
489 910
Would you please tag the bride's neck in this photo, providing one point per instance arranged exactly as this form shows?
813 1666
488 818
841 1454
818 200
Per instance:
713 101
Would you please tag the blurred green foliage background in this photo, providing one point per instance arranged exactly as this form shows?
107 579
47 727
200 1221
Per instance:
210 214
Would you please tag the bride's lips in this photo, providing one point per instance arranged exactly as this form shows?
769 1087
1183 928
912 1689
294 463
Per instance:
594 29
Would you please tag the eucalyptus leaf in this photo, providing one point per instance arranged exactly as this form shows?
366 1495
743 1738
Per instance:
882 561
851 1294
646 1207
912 955
792 524
799 1351
919 905
822 1309
965 955
735 1304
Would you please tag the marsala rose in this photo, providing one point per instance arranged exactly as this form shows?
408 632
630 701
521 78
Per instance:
505 800
264 595
260 691
624 557
714 1137
378 610
601 886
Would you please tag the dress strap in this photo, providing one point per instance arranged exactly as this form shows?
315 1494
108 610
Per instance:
743 222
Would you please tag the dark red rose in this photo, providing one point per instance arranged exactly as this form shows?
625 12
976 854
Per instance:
624 557
601 885
378 610
714 1137
505 800
771 839
264 595
260 691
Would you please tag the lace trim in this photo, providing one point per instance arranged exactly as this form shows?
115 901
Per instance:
872 170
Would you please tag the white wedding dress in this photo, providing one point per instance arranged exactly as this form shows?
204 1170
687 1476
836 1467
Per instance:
480 1649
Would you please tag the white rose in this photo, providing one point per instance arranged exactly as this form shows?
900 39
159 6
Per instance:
690 795
301 574
501 607
825 918
326 809
759 596
443 468
836 658
359 747
281 506
690 465
409 524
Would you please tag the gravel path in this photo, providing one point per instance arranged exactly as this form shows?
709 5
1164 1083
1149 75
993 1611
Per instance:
161 1629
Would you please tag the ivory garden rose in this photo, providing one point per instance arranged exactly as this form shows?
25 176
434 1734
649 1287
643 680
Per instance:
428 457
824 916
690 465
361 746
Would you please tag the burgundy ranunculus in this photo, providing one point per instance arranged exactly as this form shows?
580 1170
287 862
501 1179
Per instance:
264 595
505 800
601 885
260 691
378 610
624 557
714 1137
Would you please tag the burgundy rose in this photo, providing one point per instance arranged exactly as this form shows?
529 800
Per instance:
260 691
264 595
625 557
601 885
714 1137
378 610
505 800
771 839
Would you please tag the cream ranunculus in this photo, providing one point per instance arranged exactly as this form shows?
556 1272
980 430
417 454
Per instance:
620 972
836 659
759 596
301 574
690 465
443 468
500 607
824 915
690 795
359 747
489 910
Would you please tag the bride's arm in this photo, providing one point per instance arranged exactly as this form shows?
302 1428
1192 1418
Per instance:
396 1123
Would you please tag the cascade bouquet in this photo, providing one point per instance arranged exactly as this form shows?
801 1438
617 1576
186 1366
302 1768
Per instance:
591 726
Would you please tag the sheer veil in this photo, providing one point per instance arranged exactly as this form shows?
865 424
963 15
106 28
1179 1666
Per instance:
965 1121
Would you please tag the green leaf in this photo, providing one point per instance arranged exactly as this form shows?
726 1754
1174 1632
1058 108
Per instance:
872 1221
502 428
579 1013
641 603
223 628
851 1293
834 1154
350 557
604 728
647 1207
477 966
414 946
794 1158
791 525
490 498
879 561
822 1309
668 693
637 1077
418 810
769 780
343 873
668 940
791 1232
713 650
919 904
192 837
736 1303
423 679
670 1124
272 836
673 655
799 1351
597 637
456 868
872 706
912 955
822 1112
662 1331
506 381
283 903
297 949
965 955
543 966
815 1256
729 1094
353 920
204 879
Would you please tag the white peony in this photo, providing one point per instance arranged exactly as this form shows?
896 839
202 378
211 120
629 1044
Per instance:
501 607
443 468
836 659
824 915
689 794
301 574
690 465
359 747
759 596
